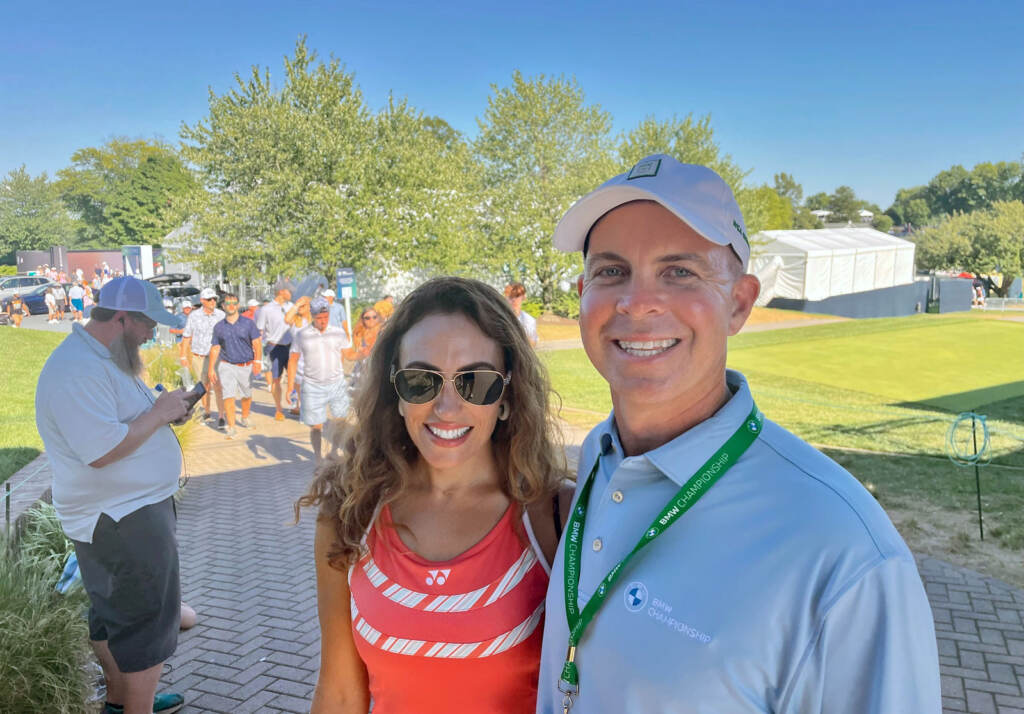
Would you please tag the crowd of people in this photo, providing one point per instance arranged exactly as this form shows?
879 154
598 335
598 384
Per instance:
704 559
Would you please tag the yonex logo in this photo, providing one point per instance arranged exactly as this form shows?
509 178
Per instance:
635 596
438 576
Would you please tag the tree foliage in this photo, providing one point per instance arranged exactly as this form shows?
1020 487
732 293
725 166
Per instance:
957 190
989 241
126 192
306 176
764 209
689 140
540 147
32 214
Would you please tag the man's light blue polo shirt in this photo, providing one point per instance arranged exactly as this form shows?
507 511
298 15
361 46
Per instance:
784 589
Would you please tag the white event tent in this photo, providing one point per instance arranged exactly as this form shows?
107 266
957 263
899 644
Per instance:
817 264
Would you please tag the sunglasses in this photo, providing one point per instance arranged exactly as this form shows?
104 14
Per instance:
371 317
478 386
230 302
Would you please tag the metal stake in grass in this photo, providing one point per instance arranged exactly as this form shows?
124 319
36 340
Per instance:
957 450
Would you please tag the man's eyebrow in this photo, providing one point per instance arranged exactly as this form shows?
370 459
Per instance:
684 258
606 255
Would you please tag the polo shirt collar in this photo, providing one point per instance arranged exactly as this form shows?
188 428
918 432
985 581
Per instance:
681 457
95 345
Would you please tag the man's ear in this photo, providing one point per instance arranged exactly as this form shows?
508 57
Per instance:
579 284
745 290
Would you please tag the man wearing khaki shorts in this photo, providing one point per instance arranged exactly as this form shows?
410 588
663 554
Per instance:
236 354
197 338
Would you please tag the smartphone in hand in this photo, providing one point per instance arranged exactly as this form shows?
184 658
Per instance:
194 395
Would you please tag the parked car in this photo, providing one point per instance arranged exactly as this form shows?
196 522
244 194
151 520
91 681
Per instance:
172 285
34 299
20 284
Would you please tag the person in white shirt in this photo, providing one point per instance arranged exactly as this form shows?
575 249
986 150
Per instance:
197 339
712 561
515 293
323 385
277 340
116 464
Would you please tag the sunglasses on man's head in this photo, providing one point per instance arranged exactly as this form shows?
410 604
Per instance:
476 386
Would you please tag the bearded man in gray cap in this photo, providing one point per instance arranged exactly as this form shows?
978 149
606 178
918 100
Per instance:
320 345
116 465
712 561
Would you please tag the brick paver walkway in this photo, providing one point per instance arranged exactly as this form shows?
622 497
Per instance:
248 572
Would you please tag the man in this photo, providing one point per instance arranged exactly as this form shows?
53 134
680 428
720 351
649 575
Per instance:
515 293
236 343
196 340
76 294
323 385
278 338
61 296
782 587
251 307
116 464
335 309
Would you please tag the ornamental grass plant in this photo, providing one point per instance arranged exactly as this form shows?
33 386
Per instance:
44 646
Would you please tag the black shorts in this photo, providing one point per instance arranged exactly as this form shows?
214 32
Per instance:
130 572
279 360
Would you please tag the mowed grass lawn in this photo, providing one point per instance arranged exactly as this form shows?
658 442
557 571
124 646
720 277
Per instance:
886 386
24 353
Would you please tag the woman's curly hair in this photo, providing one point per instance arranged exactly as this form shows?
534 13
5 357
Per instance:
377 466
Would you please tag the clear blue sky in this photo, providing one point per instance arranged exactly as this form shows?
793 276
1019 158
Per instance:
877 96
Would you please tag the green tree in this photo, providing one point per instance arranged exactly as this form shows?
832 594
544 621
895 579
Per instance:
881 222
540 147
817 202
910 208
126 192
845 205
803 219
989 241
32 214
689 140
764 209
301 175
787 187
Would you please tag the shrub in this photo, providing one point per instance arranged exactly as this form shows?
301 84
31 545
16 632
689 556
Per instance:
6 270
43 638
161 367
41 540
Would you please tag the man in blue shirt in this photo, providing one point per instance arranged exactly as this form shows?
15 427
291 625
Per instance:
236 354
712 561
335 309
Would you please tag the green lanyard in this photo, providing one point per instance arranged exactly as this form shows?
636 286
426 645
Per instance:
698 484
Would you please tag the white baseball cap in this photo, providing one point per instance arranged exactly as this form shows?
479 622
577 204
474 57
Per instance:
134 295
695 194
207 293
327 293
253 303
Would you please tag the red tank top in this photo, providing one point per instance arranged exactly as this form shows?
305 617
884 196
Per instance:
454 636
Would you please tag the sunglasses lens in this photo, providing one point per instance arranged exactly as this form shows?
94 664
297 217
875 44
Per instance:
481 387
417 386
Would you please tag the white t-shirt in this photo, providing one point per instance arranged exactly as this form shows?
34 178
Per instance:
84 405
321 352
529 324
77 292
271 322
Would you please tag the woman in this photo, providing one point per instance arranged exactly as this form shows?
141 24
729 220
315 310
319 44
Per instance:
16 310
436 532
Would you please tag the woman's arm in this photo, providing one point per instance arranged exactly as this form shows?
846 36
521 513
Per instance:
542 519
342 687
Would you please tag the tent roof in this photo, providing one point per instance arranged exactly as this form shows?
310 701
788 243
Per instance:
828 240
